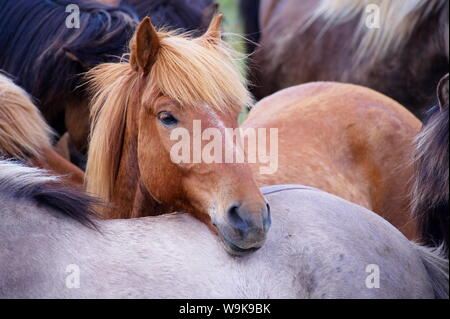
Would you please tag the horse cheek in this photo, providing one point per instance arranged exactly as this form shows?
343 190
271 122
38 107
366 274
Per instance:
158 173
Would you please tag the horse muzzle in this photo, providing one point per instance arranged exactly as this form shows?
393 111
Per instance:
243 230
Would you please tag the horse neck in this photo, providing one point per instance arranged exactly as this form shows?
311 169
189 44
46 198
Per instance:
130 198
55 163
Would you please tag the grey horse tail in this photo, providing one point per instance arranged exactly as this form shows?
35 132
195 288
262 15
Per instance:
436 264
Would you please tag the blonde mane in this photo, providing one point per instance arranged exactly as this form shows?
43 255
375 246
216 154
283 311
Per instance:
23 131
399 19
194 72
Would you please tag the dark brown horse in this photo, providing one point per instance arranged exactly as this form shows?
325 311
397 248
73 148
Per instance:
327 40
431 188
47 58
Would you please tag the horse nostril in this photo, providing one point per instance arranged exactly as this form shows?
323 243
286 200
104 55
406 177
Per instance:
234 216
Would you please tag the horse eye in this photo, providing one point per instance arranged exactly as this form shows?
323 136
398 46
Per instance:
167 119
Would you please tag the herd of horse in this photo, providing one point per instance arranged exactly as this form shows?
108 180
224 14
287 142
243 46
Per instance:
375 177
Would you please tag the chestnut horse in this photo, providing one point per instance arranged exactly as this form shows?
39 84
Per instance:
344 139
171 81
402 53
26 137
431 187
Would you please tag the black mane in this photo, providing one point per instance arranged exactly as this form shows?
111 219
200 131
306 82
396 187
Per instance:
47 58
67 201
29 184
185 15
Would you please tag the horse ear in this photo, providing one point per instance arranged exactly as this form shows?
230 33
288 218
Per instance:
443 91
207 15
145 46
214 32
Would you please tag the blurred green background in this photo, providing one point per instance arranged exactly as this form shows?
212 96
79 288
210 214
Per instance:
234 31
232 22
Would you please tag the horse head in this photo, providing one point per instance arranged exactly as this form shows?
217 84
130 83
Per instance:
173 86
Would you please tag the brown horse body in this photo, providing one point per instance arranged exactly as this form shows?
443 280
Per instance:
344 139
311 40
